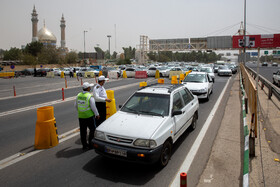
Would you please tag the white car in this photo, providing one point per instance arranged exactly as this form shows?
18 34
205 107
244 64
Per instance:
151 71
130 72
200 84
148 124
210 71
164 71
224 70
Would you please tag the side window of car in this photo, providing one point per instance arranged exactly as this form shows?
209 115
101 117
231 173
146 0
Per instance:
186 95
177 102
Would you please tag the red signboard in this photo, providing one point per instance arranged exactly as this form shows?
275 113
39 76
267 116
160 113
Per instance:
257 41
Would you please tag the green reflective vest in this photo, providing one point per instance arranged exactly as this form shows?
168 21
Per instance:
84 110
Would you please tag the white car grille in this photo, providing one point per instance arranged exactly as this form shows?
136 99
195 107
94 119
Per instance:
120 140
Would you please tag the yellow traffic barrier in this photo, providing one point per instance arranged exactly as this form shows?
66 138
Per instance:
188 72
142 84
124 74
174 80
110 107
62 74
46 130
182 77
7 74
89 75
50 74
157 74
100 73
161 81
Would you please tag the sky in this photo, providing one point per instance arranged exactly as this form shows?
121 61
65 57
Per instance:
126 20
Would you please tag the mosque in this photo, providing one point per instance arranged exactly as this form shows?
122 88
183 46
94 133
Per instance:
44 35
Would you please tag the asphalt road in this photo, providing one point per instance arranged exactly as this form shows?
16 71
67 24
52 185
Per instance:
265 71
67 165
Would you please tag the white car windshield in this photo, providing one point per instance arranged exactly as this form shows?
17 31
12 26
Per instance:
195 78
148 104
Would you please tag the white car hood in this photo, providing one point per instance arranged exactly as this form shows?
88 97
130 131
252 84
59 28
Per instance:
131 125
196 85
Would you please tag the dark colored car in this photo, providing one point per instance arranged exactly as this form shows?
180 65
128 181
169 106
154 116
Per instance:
264 64
233 68
41 72
274 64
28 71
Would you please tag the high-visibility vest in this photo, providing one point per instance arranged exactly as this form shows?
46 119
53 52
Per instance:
84 110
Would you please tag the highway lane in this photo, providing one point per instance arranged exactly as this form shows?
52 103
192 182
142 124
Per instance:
47 95
66 164
265 71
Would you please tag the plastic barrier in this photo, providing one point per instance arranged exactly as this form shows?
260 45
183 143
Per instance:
175 73
46 131
124 74
161 81
100 73
62 74
188 72
50 74
7 74
113 75
183 179
157 76
89 74
174 80
141 75
182 77
142 84
110 107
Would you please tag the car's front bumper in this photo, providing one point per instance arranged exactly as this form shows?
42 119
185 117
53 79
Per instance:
124 153
200 95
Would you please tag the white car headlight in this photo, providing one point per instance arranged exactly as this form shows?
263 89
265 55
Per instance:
99 135
203 90
145 143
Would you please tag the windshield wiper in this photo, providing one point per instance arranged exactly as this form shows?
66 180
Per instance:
152 113
132 110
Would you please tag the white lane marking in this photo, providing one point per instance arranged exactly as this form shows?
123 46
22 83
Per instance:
56 102
190 156
21 156
63 137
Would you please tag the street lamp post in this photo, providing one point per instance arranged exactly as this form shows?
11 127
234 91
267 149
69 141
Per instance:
109 36
84 46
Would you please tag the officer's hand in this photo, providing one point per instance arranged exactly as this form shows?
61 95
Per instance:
108 100
97 117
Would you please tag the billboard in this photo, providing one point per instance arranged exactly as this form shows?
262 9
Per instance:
257 41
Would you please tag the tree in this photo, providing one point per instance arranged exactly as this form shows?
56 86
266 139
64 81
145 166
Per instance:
114 56
34 48
49 55
29 59
100 53
129 53
13 54
71 57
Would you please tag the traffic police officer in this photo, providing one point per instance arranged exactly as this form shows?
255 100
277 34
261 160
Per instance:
87 110
100 96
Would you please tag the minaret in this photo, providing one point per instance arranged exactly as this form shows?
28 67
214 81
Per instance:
62 26
34 20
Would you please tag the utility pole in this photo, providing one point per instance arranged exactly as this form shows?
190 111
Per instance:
84 46
109 36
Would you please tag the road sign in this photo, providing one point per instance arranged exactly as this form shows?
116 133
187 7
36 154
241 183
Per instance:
41 66
266 52
254 53
12 66
256 41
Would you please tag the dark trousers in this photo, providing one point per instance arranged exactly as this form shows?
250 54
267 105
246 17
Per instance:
101 107
84 124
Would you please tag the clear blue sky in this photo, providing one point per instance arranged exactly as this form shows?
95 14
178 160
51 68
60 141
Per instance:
154 18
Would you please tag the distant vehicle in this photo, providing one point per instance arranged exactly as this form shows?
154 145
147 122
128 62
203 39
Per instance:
276 78
200 84
210 71
130 72
164 71
106 70
216 67
233 68
41 72
274 64
264 64
151 71
224 70
148 124
28 71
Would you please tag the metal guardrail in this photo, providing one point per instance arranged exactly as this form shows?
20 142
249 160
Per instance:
272 88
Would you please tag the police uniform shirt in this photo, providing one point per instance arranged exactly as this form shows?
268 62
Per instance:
91 103
99 93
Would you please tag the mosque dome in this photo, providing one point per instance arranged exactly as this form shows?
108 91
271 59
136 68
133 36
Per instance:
46 37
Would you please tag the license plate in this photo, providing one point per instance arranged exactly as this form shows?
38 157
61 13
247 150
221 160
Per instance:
114 151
